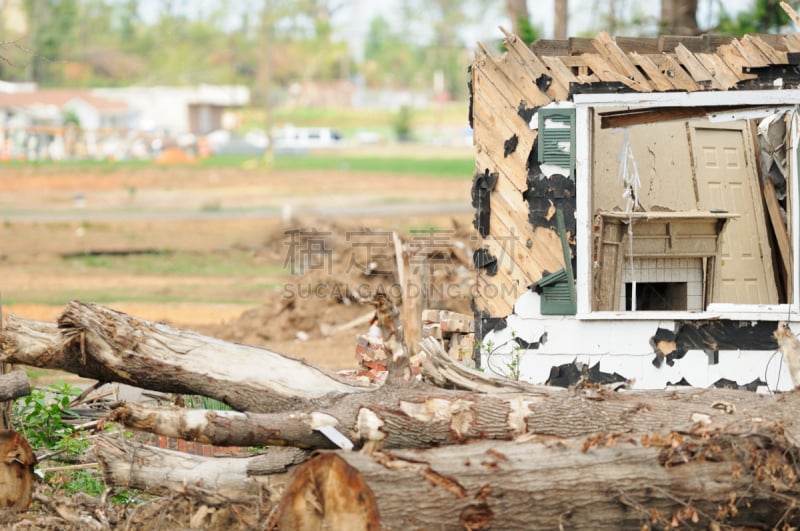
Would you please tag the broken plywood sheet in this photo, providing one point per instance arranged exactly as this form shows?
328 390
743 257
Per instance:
696 69
675 72
500 132
607 48
512 86
772 55
560 70
736 62
493 296
536 69
663 159
660 81
722 72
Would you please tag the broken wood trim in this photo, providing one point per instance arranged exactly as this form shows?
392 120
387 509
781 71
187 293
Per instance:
781 234
627 118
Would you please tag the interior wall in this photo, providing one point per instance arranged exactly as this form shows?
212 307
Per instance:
663 157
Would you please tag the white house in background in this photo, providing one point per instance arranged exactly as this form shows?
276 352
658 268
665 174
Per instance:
197 110
51 107
639 210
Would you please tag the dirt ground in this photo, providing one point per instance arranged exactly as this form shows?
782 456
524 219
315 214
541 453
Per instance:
209 249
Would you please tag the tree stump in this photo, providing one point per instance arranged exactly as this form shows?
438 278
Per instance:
16 471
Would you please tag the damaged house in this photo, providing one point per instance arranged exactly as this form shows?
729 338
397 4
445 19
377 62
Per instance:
637 201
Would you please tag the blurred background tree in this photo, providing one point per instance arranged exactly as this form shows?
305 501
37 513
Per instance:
418 44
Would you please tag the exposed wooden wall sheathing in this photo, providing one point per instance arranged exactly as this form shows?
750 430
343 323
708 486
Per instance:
501 86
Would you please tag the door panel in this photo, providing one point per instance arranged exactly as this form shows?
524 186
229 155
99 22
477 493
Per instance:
727 180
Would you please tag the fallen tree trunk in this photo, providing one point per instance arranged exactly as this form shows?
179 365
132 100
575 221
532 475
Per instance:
681 480
626 458
421 415
702 479
100 343
108 345
215 480
13 385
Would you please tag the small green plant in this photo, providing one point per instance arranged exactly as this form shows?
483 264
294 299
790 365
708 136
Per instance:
513 366
39 417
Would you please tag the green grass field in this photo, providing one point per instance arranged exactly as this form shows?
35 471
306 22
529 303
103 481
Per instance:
445 168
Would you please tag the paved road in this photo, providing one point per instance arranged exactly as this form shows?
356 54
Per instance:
339 211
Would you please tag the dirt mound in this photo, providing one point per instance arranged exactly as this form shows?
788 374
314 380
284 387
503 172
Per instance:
337 271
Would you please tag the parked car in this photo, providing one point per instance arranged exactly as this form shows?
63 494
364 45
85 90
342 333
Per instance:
301 138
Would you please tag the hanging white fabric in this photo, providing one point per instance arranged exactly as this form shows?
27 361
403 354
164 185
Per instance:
629 175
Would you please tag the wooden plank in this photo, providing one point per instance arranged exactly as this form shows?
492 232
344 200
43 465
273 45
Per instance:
520 77
510 276
511 221
774 41
792 14
587 79
773 55
713 42
751 53
722 73
606 46
512 83
641 45
675 72
510 230
533 65
577 62
657 78
730 55
792 43
573 61
509 216
580 46
649 116
560 70
512 211
601 68
492 120
494 305
779 228
550 47
670 43
694 67
508 209
504 93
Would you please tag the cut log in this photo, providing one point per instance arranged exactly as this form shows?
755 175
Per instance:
421 415
100 343
16 471
214 480
706 481
107 345
13 385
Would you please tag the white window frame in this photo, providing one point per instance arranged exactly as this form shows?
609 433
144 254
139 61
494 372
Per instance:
754 103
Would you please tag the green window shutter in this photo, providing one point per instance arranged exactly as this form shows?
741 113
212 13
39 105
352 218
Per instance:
557 138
